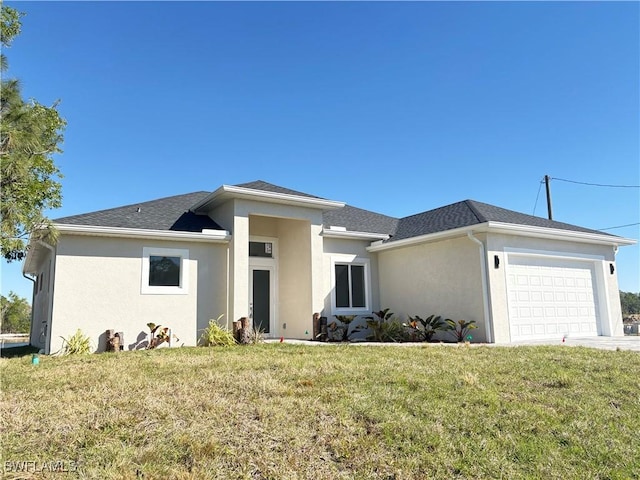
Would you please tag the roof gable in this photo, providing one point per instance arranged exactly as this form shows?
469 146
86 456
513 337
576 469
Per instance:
270 187
468 213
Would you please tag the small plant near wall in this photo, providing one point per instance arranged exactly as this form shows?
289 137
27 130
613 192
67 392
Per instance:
459 329
77 344
384 327
159 335
215 335
340 332
430 326
255 336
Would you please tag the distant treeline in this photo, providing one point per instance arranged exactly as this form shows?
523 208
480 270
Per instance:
630 303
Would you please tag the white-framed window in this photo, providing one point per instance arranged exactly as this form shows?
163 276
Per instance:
165 271
351 284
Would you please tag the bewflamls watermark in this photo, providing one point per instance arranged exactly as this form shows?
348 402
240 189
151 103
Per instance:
40 466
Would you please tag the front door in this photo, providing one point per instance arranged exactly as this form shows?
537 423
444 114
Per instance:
261 304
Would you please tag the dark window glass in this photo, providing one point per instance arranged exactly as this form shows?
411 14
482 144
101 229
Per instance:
357 286
342 286
261 300
164 271
261 249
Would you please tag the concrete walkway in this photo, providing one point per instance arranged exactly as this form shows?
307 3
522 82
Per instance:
605 343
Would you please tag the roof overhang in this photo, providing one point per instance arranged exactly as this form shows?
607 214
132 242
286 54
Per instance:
208 236
347 234
36 252
229 192
508 229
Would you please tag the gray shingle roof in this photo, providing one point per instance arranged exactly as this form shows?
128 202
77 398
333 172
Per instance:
170 213
359 220
270 187
471 212
352 218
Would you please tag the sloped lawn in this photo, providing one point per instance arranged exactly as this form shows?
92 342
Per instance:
282 411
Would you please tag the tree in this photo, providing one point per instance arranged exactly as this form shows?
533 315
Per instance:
30 134
630 303
16 314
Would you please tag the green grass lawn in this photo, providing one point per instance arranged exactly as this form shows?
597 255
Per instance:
281 411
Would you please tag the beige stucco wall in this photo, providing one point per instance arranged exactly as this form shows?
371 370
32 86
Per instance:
441 278
295 307
98 287
610 311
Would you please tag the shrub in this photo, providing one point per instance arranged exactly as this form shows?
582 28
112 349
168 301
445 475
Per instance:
342 331
77 344
430 326
215 335
385 327
460 328
255 336
162 335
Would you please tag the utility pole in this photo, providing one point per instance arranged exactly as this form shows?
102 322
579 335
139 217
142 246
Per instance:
547 181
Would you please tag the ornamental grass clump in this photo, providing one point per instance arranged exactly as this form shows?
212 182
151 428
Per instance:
216 336
77 344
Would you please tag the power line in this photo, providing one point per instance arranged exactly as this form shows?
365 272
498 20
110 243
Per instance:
537 196
596 184
621 226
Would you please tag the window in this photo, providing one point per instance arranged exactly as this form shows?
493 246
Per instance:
165 271
261 249
350 277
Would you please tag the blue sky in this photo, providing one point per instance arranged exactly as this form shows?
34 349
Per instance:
393 107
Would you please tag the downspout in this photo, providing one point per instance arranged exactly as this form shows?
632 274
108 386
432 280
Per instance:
33 304
227 289
47 345
485 288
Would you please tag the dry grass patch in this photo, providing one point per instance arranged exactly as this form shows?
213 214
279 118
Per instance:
283 411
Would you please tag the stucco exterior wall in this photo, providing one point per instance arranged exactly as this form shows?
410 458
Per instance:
98 287
294 275
608 283
441 278
296 229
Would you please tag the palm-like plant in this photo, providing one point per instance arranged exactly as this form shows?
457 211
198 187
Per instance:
430 325
460 328
345 321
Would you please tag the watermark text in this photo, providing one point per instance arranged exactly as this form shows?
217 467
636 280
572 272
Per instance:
39 466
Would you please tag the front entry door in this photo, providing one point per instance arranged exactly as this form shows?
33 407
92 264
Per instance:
261 299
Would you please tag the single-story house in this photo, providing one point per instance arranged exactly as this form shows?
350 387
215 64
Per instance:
278 256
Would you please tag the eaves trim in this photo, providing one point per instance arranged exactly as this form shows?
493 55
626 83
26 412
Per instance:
507 229
209 236
226 192
329 233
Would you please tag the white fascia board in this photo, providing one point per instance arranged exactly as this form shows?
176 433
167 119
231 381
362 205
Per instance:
508 229
210 236
430 237
331 233
558 234
226 192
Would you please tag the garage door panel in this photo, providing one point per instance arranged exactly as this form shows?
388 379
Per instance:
550 297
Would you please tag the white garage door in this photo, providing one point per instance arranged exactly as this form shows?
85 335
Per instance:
550 298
